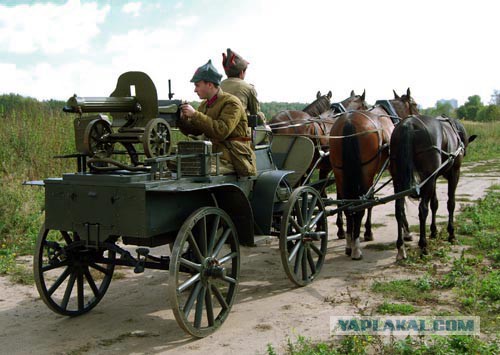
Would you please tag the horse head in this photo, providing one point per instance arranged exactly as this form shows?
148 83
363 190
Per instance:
355 102
404 105
320 105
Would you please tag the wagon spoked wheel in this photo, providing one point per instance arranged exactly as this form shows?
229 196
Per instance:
303 235
156 139
71 278
204 271
95 138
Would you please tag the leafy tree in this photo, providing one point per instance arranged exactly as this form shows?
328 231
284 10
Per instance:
441 108
470 109
488 113
272 108
495 98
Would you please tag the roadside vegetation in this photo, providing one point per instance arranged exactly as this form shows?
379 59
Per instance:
448 282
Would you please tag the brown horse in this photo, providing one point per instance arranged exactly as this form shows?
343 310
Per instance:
359 149
317 127
291 121
423 148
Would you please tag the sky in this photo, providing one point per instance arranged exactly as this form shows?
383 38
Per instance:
440 49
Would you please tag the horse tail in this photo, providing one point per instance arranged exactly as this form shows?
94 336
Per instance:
351 162
402 157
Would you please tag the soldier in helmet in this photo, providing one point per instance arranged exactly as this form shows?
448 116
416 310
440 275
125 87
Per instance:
235 67
222 119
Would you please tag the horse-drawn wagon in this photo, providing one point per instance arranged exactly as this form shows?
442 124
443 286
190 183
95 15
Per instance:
146 197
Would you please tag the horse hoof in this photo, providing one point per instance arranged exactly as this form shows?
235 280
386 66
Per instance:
452 240
368 237
341 236
423 253
348 251
408 238
433 236
358 258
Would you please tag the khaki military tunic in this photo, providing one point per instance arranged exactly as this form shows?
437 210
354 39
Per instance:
243 91
225 123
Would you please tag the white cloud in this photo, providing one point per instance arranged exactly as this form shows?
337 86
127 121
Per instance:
132 8
187 21
48 81
50 28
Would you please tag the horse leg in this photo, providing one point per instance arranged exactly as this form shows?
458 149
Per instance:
340 223
368 226
434 207
356 246
452 187
323 174
340 226
400 218
348 236
407 236
423 211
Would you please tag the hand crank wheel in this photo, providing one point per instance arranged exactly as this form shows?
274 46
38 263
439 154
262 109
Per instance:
95 139
156 139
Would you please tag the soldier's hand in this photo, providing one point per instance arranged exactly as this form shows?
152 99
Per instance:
187 111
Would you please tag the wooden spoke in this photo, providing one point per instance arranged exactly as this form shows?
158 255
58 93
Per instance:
303 228
61 267
202 300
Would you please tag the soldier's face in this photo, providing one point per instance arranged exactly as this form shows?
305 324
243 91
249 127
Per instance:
202 88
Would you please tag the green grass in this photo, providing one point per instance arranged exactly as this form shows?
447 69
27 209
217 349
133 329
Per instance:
416 291
486 144
480 223
365 344
396 308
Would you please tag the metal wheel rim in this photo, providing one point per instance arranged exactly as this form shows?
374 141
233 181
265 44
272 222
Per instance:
156 138
94 138
303 235
76 276
202 303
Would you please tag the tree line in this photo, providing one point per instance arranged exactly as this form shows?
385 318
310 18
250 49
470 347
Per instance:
473 109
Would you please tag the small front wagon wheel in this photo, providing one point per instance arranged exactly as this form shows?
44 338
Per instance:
204 271
303 235
71 278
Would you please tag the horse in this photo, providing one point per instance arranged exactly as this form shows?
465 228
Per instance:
421 149
281 122
318 126
359 144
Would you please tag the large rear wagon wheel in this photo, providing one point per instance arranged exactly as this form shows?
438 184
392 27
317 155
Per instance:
303 235
204 271
71 278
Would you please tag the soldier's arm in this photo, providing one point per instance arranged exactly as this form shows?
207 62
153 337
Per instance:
253 103
219 127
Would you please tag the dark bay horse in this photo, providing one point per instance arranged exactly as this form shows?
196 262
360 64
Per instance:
317 127
423 148
359 149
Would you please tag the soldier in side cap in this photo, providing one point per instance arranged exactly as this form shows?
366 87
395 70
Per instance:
235 68
222 119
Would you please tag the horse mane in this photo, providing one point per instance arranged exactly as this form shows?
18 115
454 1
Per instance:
318 106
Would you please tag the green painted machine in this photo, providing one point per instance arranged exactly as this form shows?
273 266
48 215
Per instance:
150 195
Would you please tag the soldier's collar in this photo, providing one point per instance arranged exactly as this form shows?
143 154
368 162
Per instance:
212 100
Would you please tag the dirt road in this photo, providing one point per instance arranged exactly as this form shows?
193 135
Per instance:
135 318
